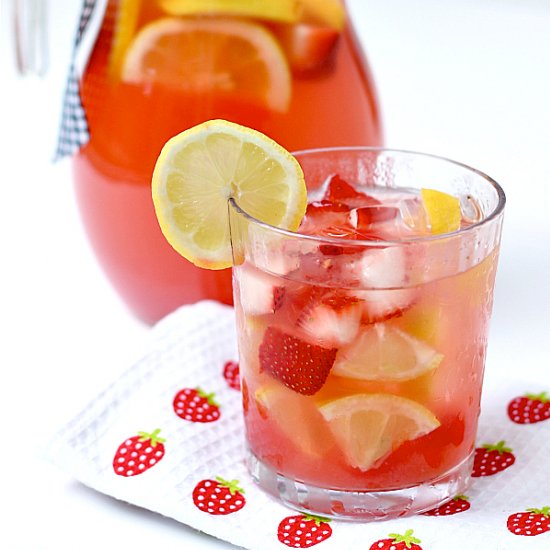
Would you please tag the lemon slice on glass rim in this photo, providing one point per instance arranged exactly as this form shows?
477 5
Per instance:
200 169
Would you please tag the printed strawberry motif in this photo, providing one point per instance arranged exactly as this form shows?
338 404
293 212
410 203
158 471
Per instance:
454 506
138 453
218 497
299 365
535 521
491 459
530 408
303 530
398 542
232 375
196 406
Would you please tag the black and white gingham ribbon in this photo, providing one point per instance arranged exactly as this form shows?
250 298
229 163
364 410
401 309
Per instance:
73 132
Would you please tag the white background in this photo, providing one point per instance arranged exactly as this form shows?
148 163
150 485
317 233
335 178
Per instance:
466 79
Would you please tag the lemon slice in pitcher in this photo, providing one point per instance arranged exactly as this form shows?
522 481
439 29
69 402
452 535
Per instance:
369 427
285 11
205 56
200 169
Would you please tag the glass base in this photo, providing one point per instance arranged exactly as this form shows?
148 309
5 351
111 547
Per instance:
361 505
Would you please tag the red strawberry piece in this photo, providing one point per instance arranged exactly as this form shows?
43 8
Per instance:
339 190
332 321
328 219
398 542
138 453
530 408
491 459
195 405
299 365
324 206
454 506
259 293
218 497
535 521
303 530
232 375
367 216
307 47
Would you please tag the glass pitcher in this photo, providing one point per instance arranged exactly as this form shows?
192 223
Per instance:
292 69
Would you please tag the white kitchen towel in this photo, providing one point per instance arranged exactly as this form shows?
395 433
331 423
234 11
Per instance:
190 349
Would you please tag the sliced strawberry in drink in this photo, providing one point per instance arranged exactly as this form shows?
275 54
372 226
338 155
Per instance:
307 47
259 292
327 219
382 273
382 304
299 365
324 205
340 191
367 216
332 321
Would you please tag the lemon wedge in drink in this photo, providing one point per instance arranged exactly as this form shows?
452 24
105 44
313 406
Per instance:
369 427
443 211
296 417
199 170
385 353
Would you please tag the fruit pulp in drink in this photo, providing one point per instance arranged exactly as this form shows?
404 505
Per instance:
303 71
362 365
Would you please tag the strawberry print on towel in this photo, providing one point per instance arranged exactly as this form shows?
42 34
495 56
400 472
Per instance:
398 542
530 408
533 522
195 405
303 530
491 459
138 453
218 497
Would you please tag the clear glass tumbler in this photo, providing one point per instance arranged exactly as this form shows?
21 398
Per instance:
362 352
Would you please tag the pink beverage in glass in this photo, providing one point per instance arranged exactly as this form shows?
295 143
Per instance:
362 339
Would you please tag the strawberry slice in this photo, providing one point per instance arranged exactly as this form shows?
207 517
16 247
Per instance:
367 216
382 271
332 321
299 365
340 191
327 219
307 46
259 293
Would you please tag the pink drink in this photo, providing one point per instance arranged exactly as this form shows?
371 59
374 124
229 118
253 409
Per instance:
362 360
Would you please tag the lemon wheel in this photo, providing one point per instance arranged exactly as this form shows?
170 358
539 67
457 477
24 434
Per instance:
369 427
201 168
212 55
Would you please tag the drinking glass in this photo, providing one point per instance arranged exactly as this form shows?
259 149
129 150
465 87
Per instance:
362 360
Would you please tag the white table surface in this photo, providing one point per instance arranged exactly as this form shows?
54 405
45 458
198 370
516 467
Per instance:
467 79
